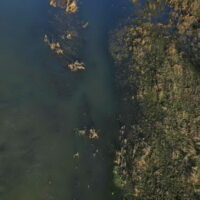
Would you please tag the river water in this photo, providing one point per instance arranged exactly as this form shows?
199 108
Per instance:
41 104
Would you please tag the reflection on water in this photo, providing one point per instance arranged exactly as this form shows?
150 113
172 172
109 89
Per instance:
41 104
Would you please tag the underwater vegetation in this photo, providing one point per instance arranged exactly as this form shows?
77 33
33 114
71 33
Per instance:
157 70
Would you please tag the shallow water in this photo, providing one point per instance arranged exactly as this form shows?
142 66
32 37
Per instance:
41 104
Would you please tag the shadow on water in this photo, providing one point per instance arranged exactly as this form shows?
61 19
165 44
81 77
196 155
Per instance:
41 105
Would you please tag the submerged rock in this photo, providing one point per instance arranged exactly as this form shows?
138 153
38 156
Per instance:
52 3
69 36
85 25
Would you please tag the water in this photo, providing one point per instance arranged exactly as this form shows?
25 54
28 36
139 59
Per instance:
41 104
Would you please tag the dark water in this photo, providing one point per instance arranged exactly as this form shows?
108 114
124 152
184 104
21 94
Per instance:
41 104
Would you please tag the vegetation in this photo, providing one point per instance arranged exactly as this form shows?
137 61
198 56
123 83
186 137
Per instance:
157 68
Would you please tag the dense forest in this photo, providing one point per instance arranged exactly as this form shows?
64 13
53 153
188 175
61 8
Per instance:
156 56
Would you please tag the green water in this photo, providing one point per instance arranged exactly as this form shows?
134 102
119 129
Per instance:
41 104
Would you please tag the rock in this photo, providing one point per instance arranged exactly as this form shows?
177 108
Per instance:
59 51
54 46
81 132
93 134
76 66
52 3
71 6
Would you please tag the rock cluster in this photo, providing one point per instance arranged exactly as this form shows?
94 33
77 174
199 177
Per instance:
91 133
54 46
69 5
76 66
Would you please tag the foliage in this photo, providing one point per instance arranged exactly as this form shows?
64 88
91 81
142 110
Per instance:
157 69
